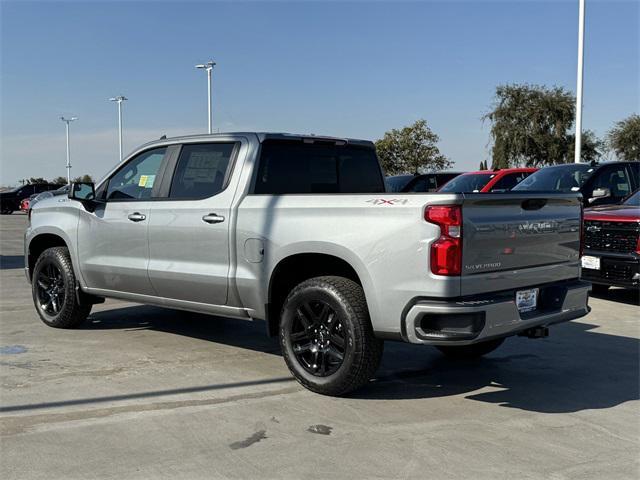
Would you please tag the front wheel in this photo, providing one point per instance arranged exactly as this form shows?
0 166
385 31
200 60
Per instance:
471 351
53 288
326 336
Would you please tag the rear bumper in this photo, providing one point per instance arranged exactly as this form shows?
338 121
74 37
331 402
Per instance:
474 319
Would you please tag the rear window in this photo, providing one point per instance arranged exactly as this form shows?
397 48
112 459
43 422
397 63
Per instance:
468 183
565 178
296 167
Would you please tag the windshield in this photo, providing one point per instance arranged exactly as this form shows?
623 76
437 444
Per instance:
397 183
468 183
634 199
563 178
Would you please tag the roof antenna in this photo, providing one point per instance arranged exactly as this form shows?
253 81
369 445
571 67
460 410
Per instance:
163 137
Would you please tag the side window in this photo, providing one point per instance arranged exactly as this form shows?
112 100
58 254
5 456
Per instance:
201 170
509 181
616 179
136 179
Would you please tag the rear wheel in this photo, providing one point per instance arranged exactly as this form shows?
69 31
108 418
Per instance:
326 336
6 211
53 288
471 351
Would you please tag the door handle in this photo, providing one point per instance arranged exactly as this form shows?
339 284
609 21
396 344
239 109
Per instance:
137 217
213 218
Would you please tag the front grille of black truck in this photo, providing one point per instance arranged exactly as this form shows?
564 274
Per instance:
618 237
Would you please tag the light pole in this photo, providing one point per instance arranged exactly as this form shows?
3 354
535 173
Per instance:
67 121
119 99
209 68
578 146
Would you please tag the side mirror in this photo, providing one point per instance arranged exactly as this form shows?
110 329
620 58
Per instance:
84 192
599 193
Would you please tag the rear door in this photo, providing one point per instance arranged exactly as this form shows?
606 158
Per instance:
189 230
516 239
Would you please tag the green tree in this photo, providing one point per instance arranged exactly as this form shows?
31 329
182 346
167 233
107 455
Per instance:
411 149
624 138
483 165
84 178
34 180
531 126
591 149
59 180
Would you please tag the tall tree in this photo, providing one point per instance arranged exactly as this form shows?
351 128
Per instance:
411 149
591 150
531 126
624 138
59 180
35 180
84 178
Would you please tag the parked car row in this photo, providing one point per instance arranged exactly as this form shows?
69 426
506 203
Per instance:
611 219
10 200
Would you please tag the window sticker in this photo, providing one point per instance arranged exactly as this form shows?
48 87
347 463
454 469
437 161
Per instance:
146 181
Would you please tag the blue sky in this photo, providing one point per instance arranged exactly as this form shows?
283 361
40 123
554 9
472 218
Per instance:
341 68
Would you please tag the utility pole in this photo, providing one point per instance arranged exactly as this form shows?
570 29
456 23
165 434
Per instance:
209 68
67 121
578 146
119 99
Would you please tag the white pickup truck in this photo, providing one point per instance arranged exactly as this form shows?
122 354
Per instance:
298 231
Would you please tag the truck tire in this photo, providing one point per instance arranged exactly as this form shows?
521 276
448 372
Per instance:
471 351
326 336
53 288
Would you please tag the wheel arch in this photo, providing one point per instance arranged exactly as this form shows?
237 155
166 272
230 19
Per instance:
38 244
296 268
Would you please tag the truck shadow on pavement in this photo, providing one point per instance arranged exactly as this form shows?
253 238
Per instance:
576 368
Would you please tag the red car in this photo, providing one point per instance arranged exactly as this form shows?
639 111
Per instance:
484 181
612 245
24 204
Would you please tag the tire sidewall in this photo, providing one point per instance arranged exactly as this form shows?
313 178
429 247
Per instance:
53 256
317 290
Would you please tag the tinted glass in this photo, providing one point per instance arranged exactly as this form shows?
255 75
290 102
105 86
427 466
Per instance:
201 170
135 180
615 178
563 178
397 183
468 183
296 167
443 178
509 181
633 199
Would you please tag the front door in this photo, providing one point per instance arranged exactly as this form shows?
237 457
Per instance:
113 245
189 230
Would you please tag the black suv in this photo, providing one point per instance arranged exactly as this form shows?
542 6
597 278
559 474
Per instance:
10 199
606 183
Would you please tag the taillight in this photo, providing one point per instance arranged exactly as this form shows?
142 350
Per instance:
446 251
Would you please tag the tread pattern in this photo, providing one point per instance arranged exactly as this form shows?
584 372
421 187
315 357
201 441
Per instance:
367 348
72 313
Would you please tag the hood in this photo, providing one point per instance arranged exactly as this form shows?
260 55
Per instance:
613 213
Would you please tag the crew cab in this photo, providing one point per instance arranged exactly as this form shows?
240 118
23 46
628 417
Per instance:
498 180
612 245
298 231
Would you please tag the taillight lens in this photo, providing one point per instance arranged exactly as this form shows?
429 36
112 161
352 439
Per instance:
446 251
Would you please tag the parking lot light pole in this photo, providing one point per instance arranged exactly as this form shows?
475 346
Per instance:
209 68
119 99
67 121
578 145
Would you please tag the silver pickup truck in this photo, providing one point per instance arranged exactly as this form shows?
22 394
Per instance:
298 231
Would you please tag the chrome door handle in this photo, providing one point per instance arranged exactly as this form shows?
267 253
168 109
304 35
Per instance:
137 217
213 218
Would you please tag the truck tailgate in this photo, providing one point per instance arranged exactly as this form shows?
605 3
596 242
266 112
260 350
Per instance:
519 239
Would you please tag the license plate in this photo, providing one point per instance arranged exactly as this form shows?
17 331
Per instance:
527 300
592 263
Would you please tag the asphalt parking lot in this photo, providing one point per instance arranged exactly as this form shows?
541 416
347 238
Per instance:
143 392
